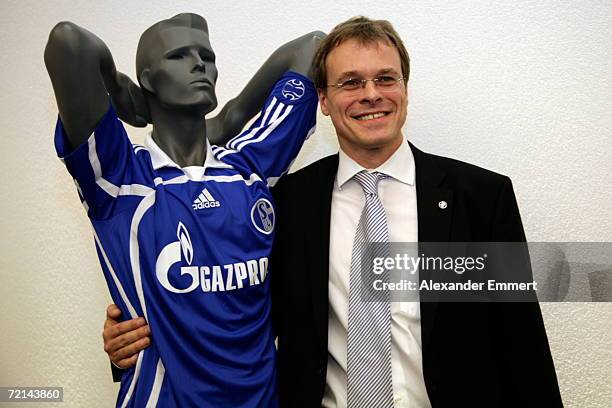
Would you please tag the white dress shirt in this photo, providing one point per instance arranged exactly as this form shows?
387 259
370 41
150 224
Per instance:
398 196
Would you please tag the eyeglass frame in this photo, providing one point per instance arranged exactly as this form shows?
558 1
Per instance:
363 83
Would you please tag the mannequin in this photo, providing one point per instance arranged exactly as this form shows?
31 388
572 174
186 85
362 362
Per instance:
84 79
183 230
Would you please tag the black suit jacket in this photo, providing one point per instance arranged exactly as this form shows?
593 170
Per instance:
474 354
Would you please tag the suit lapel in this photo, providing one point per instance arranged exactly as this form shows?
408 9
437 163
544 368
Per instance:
434 222
322 188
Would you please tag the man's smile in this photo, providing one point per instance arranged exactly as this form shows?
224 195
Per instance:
370 116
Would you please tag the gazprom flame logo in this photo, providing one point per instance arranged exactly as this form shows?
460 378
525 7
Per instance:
293 90
171 254
235 275
185 240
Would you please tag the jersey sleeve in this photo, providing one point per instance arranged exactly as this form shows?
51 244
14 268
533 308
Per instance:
103 167
269 146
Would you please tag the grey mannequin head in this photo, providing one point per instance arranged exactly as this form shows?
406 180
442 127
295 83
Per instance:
175 64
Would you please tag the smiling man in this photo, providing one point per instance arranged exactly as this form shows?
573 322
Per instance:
336 350
369 127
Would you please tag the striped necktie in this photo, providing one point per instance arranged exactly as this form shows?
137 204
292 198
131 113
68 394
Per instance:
369 381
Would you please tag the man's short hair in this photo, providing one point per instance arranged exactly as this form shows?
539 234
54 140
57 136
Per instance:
366 31
152 36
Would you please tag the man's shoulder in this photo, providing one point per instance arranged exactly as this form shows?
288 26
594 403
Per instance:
322 168
457 172
483 201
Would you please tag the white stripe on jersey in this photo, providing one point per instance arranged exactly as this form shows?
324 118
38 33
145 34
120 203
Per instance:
212 162
124 189
269 130
135 189
120 289
130 390
146 203
253 178
111 189
142 208
232 143
262 137
177 180
220 179
277 112
81 196
160 370
92 154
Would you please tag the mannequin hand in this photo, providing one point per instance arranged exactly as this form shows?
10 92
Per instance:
123 341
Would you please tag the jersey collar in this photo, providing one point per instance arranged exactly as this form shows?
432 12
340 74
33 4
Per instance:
160 159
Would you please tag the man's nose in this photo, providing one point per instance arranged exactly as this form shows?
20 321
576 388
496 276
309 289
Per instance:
370 93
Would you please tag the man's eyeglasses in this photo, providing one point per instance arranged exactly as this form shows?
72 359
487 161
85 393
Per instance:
383 82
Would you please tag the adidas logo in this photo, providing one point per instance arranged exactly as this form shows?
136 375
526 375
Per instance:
205 200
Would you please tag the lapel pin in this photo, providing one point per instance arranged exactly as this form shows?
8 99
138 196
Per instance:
442 205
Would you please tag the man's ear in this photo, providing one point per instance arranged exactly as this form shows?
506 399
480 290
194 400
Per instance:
145 80
323 101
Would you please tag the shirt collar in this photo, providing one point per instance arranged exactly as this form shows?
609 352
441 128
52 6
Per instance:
160 159
400 166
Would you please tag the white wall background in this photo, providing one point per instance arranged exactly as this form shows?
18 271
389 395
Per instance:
523 88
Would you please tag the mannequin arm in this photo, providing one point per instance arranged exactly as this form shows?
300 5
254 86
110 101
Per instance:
295 55
83 73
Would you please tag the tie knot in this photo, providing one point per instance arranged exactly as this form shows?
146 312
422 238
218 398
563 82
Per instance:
369 181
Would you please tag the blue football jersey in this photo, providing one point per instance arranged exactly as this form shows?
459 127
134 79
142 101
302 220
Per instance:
188 249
